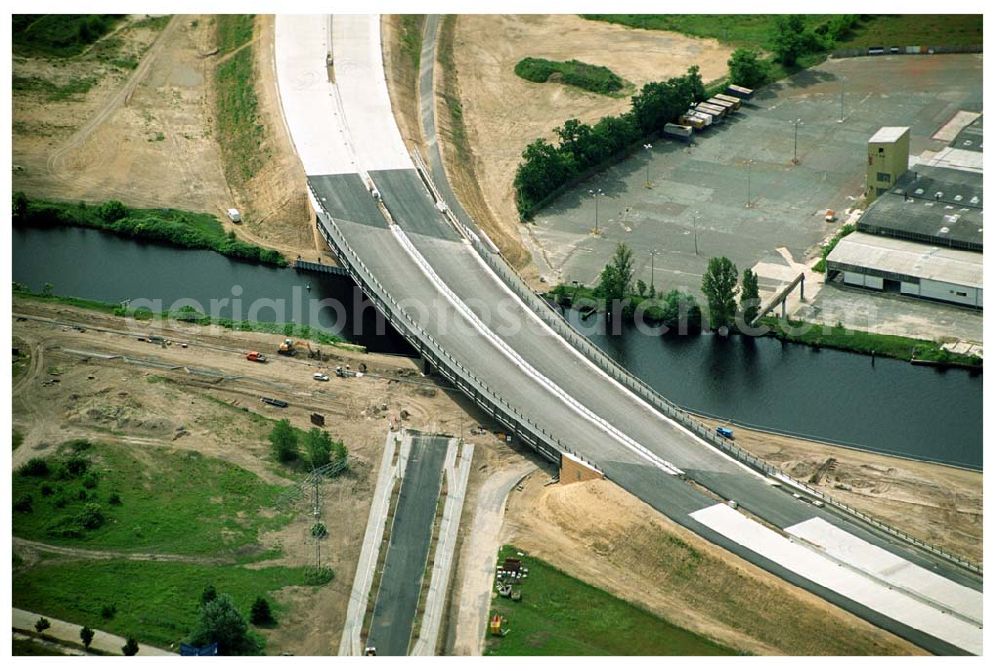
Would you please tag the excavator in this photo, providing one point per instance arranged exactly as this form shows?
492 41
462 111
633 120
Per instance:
292 348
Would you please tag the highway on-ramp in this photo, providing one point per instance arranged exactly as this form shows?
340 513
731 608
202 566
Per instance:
429 275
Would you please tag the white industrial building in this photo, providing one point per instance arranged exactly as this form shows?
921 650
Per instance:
910 268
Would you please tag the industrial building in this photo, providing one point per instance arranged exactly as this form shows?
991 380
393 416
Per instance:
933 205
888 159
922 235
910 268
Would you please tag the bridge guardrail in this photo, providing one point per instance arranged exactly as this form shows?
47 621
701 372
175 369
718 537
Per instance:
528 431
611 367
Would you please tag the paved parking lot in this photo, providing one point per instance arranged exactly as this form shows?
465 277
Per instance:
703 192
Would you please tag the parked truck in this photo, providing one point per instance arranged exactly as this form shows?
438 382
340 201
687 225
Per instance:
733 99
693 121
256 356
677 130
712 107
739 91
724 104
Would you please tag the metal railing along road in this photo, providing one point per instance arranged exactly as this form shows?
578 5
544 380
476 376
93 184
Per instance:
581 343
493 403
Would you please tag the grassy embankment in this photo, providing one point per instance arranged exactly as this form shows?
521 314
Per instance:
865 342
287 330
755 31
411 39
593 78
560 615
192 230
161 501
59 35
238 122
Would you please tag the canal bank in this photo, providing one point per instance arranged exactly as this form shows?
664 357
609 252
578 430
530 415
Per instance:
891 407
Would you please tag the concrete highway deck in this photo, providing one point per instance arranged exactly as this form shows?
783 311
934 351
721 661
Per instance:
443 285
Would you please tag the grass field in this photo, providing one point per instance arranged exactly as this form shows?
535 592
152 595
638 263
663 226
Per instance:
739 30
238 117
560 615
155 601
52 92
59 35
917 29
593 78
171 502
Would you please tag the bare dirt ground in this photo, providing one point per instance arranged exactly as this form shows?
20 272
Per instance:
171 406
503 113
602 535
147 136
938 504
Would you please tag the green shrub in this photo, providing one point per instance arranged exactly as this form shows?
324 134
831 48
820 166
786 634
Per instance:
318 530
23 503
90 480
77 465
594 78
91 517
36 467
318 575
108 611
47 489
115 499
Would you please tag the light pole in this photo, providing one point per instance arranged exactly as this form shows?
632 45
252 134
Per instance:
843 86
696 233
749 165
795 151
596 195
648 148
652 268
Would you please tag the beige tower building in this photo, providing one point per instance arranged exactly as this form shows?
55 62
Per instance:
888 159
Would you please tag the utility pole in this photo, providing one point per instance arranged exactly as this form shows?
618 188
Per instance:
649 149
596 195
652 267
749 165
795 151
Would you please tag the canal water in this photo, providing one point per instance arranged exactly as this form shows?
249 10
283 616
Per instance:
890 407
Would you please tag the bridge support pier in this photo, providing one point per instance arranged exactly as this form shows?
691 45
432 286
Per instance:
425 366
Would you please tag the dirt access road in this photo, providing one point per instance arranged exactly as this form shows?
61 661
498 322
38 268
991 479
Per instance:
503 113
169 406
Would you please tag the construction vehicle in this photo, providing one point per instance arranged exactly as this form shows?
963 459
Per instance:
291 348
256 356
496 625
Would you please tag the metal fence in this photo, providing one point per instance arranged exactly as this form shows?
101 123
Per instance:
907 51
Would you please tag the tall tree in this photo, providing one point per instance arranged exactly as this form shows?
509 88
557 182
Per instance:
86 635
220 622
284 442
750 297
319 445
790 39
747 68
719 287
616 278
131 647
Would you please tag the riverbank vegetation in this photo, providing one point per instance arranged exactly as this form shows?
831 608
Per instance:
238 123
865 342
560 615
593 78
193 230
546 169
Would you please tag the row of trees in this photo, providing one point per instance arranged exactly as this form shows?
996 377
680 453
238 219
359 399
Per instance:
545 167
678 311
721 286
319 448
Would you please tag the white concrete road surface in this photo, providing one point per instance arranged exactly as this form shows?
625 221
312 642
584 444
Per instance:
850 572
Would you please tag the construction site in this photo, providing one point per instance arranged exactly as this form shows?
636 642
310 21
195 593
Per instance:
440 530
